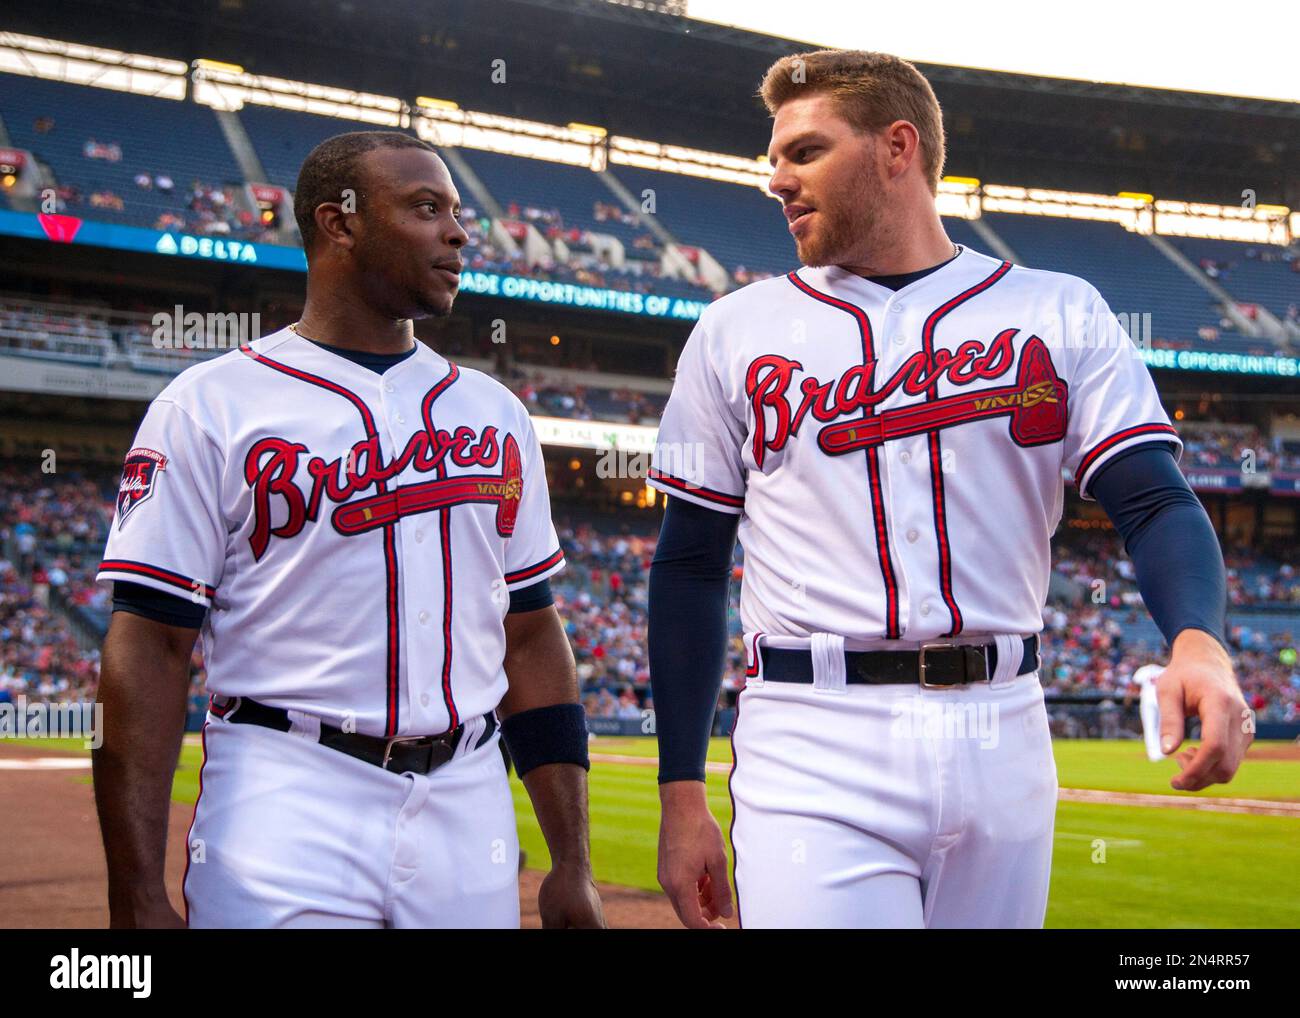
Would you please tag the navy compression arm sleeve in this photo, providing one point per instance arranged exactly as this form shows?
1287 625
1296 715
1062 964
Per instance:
1169 538
689 581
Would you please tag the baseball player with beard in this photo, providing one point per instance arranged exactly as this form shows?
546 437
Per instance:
886 429
361 531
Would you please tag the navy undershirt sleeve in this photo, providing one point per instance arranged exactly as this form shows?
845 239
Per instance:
169 609
1169 537
689 580
532 598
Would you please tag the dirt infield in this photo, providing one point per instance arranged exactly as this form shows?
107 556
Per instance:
1288 752
1210 803
52 872
626 908
1207 803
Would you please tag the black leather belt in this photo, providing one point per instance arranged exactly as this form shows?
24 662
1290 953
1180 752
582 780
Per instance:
934 665
420 754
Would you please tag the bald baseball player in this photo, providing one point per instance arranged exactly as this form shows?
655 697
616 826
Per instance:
360 530
886 429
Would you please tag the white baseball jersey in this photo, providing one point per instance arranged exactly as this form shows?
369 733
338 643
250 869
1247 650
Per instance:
355 535
897 456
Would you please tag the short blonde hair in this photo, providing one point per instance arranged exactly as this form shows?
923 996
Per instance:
872 91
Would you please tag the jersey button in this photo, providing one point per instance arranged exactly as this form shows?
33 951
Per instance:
925 609
424 618
388 387
912 535
896 308
400 419
424 699
419 536
904 457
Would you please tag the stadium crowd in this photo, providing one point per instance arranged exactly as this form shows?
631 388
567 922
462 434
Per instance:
1235 447
578 261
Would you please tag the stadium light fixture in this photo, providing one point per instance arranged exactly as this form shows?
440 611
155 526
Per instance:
1139 196
426 103
218 65
55 60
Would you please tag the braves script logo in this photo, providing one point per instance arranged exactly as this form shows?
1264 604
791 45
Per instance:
1035 402
139 476
271 466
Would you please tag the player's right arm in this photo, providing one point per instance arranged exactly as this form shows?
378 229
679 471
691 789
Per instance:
689 582
698 464
168 538
143 687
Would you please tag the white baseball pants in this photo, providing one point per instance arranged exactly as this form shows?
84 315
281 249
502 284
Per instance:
893 806
289 833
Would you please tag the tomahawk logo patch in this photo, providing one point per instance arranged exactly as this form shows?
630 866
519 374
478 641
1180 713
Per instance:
139 476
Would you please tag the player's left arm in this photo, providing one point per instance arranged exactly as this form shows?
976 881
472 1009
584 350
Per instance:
545 729
542 720
1180 574
1120 437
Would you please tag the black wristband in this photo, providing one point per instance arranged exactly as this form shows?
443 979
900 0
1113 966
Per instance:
546 735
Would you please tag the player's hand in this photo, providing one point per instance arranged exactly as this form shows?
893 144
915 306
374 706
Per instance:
1199 681
147 912
692 857
568 900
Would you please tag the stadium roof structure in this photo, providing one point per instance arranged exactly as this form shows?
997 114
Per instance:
639 69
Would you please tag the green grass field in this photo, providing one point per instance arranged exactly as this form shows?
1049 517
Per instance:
1162 868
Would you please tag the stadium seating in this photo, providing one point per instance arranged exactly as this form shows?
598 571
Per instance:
1131 274
570 190
737 225
282 139
96 143
55 332
180 139
1250 272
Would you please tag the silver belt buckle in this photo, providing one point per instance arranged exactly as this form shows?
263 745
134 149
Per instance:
926 647
920 665
389 743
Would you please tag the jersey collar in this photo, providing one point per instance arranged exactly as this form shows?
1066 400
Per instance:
850 286
424 355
